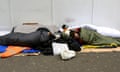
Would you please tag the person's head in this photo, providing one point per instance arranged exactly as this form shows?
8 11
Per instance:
65 31
64 26
70 34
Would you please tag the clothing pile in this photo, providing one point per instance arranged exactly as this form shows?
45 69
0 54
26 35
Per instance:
41 40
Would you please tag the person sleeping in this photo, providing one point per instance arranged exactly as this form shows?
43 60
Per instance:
88 36
106 31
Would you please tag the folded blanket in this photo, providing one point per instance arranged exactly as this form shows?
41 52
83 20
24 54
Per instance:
31 50
7 51
12 50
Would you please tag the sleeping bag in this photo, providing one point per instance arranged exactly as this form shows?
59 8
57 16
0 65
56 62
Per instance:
40 39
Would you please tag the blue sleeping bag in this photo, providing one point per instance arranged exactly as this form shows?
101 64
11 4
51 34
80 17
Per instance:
3 48
32 50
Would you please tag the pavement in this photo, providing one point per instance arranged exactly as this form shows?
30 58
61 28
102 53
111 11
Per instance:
83 62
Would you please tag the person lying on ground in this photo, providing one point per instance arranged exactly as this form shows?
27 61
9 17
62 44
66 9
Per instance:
106 31
87 36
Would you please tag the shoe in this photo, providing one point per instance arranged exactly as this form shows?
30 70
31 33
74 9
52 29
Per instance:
67 54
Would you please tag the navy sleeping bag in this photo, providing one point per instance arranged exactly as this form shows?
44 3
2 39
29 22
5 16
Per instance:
40 39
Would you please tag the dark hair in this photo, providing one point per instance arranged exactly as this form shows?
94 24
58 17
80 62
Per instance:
64 26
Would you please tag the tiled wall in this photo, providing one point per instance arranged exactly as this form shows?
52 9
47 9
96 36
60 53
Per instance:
98 12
